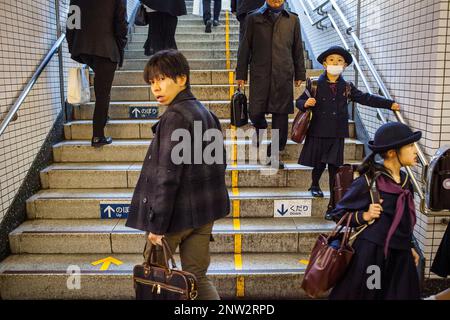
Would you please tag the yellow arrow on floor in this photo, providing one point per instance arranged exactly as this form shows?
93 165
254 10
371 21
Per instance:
304 261
106 263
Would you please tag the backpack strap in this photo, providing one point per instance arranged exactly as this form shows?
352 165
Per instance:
311 86
348 89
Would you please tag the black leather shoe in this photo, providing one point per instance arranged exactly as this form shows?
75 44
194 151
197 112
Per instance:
328 216
208 26
216 23
316 192
97 142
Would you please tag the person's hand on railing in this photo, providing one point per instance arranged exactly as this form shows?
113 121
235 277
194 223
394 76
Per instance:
311 102
395 107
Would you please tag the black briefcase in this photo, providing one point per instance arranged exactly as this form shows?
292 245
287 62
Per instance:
239 112
160 282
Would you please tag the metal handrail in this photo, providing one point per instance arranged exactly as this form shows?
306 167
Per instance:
379 81
13 111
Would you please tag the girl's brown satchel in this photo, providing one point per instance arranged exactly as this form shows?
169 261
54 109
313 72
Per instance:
303 119
159 282
329 259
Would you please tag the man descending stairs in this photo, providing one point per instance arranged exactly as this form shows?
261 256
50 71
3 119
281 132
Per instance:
75 245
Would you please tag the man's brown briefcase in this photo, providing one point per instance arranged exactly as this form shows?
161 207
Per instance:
159 282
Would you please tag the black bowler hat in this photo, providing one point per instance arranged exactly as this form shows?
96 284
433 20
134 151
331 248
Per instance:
336 50
393 135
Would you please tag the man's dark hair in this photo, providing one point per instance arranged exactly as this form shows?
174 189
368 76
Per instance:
168 63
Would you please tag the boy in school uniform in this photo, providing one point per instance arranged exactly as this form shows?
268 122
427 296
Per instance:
325 139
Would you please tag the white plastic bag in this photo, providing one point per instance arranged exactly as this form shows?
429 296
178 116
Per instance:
78 90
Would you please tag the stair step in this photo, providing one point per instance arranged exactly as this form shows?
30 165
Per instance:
196 77
120 110
135 150
125 175
194 28
201 92
201 44
188 53
141 129
35 276
258 235
194 64
191 36
85 203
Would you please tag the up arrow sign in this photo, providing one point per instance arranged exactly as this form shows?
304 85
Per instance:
109 209
136 112
106 263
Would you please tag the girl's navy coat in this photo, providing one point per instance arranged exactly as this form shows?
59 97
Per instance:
330 114
357 200
398 274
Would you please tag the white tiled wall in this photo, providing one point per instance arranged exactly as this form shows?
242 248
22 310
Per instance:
27 32
408 41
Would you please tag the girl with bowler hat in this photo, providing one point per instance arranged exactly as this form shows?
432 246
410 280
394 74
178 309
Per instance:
325 140
386 244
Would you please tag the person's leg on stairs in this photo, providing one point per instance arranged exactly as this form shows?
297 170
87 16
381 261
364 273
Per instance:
104 70
315 184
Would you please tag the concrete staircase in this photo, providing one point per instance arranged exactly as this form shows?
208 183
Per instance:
65 228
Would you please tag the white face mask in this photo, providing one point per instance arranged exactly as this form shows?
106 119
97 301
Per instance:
335 70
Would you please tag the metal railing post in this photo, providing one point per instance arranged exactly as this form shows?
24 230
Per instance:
60 63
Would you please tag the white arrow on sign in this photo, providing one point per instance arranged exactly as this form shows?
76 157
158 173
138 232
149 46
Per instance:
109 209
136 111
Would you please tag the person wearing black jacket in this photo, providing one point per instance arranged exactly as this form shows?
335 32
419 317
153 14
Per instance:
242 8
272 47
180 200
163 19
100 43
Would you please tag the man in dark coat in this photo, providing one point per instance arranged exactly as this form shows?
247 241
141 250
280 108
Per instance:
272 45
100 43
180 200
163 19
242 8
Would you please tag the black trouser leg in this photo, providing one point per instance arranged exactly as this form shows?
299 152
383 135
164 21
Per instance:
259 122
169 28
157 32
280 122
217 9
317 173
332 170
206 10
104 75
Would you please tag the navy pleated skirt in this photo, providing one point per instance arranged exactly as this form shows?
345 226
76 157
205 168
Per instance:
399 278
317 150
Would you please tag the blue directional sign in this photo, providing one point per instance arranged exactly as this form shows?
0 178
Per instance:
147 112
114 210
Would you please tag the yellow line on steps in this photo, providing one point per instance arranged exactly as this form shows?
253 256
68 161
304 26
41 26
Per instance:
240 288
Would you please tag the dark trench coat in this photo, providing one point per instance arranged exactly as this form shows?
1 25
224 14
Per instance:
274 51
172 7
